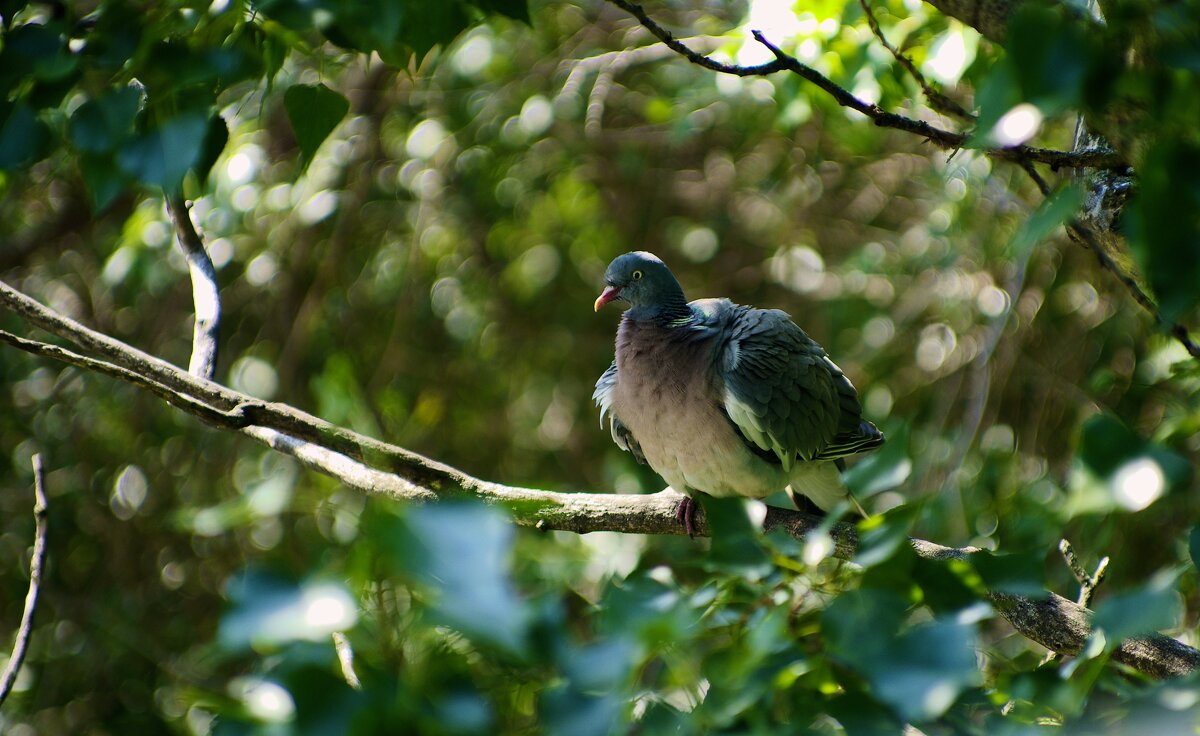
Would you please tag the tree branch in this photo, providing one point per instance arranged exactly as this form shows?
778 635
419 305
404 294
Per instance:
1053 621
205 297
1083 235
944 139
938 100
9 677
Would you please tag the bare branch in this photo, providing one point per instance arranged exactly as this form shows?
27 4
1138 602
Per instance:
945 139
1083 235
937 100
9 677
206 299
1053 621
1087 582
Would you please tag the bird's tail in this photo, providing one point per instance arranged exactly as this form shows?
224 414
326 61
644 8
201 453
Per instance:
821 483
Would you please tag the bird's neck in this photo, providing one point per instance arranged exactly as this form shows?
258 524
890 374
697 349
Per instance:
670 312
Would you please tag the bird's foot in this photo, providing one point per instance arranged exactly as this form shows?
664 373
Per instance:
686 515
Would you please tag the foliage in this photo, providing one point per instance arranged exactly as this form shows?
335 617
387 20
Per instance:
410 206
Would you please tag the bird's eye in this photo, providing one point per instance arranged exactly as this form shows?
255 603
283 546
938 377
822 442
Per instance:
637 275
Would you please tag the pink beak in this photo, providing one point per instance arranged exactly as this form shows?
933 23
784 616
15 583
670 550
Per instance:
606 296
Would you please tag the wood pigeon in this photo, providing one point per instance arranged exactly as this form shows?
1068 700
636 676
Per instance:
724 399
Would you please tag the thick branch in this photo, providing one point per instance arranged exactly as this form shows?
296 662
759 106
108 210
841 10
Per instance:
9 677
945 139
206 299
1054 622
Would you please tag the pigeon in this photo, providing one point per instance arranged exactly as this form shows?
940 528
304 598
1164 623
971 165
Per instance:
724 399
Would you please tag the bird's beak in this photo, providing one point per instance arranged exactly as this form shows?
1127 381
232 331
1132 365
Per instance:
606 296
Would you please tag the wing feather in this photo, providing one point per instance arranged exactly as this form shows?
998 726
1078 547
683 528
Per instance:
603 396
785 395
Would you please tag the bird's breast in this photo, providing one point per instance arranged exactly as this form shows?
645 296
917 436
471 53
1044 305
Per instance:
669 396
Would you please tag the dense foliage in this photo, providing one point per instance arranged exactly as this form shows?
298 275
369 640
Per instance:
410 207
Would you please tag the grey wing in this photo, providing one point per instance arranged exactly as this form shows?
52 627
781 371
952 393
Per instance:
785 395
603 396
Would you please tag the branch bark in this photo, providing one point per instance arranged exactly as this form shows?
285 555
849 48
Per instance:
9 677
945 139
206 299
1054 622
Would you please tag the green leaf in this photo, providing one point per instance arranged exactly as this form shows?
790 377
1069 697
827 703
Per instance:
314 111
883 469
428 23
160 157
1194 545
1019 573
103 179
215 139
1053 55
568 712
1162 220
23 137
735 542
880 536
919 672
267 611
459 554
862 716
100 125
1049 216
515 9
1143 610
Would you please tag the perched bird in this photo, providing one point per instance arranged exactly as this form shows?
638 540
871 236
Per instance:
724 399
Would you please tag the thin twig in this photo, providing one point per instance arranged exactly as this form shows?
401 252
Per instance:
1088 582
345 656
938 100
1052 621
9 676
206 299
1083 235
945 139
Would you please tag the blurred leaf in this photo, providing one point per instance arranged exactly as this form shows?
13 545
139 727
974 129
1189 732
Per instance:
314 111
268 610
1194 545
882 470
1144 610
459 552
600 667
735 541
918 672
23 137
100 125
1018 573
104 180
881 535
1162 220
516 9
859 715
567 712
1057 209
428 23
215 139
1053 55
1118 469
161 156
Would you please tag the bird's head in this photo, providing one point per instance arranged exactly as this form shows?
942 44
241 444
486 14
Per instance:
642 280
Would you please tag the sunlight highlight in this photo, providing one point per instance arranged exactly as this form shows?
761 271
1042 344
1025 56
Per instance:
1018 125
1138 483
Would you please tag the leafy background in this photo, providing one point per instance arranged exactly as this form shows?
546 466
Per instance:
410 207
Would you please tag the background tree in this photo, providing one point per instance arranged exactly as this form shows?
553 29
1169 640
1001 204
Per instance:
408 208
